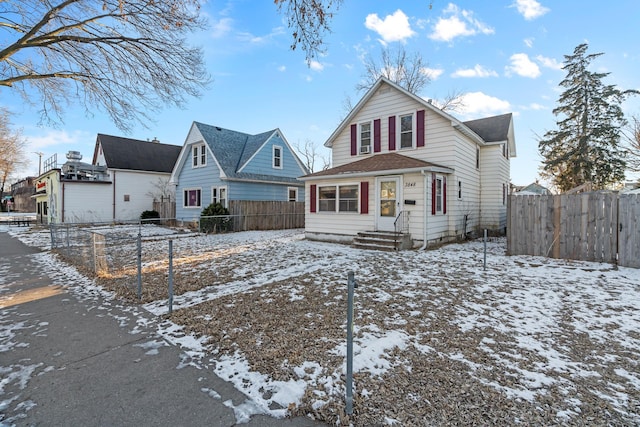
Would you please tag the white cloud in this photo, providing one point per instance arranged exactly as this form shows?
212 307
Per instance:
477 71
528 42
56 137
221 28
523 66
392 28
479 104
316 66
530 9
536 106
253 39
432 73
282 68
549 62
457 23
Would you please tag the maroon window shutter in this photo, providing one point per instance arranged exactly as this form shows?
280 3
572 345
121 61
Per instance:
433 194
376 136
354 140
312 198
364 197
420 129
392 133
444 194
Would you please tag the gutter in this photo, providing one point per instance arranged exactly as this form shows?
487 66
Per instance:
436 169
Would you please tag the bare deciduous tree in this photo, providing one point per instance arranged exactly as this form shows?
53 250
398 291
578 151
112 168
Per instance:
406 71
311 155
12 144
127 57
631 135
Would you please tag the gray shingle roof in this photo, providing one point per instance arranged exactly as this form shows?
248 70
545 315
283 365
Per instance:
134 154
491 129
233 149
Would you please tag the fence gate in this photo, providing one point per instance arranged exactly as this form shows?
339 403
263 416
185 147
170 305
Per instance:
629 230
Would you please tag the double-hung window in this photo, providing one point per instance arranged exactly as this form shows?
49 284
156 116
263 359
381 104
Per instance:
365 137
219 195
293 194
191 198
406 131
327 199
199 155
348 198
277 157
439 194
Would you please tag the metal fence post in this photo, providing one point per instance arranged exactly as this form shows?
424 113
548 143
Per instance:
139 254
485 248
351 284
170 276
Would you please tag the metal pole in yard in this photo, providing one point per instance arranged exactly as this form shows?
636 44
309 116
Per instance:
485 248
351 284
170 276
139 254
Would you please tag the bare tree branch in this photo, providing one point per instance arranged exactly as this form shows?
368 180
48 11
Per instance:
129 58
12 146
309 20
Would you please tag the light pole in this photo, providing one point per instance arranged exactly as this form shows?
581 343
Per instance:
40 154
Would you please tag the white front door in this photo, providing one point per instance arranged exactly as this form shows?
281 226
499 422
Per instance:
388 202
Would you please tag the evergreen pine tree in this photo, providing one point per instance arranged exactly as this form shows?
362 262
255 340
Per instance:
586 145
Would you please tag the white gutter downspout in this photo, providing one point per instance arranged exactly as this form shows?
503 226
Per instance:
425 214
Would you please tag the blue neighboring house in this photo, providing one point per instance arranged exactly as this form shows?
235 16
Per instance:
218 165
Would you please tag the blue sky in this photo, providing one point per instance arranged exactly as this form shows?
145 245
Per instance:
505 55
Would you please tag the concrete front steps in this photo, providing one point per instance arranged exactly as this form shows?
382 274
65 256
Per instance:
382 241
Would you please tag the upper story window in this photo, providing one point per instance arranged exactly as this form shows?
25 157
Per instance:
277 157
199 155
365 137
406 131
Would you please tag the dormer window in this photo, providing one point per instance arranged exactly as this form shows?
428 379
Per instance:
199 155
365 137
277 157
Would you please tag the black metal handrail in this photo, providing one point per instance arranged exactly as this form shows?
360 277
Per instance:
400 225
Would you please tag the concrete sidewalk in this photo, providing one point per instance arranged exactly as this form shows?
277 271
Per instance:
69 360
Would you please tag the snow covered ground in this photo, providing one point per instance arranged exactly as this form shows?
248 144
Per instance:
438 339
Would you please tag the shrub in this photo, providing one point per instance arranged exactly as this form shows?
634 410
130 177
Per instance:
149 215
214 219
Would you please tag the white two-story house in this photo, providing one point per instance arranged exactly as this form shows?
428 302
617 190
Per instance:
400 164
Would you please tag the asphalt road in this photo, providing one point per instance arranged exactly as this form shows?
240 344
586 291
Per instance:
67 360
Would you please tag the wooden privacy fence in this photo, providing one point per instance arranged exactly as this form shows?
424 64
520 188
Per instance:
266 215
165 207
595 226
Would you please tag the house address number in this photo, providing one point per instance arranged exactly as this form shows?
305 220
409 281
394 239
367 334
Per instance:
409 184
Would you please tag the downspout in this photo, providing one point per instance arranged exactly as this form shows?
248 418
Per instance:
113 216
62 203
425 214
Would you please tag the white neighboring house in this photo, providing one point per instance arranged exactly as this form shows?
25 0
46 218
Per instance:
118 185
403 165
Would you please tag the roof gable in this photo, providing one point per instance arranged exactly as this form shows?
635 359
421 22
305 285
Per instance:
135 154
426 104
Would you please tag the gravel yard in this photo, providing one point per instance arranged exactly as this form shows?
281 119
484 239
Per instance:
438 339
